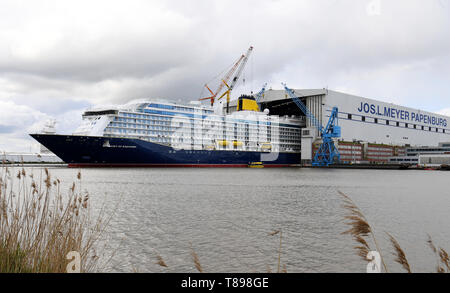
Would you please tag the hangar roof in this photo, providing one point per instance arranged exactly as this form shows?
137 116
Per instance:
278 95
274 95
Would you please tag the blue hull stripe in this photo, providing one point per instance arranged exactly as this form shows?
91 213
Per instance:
115 151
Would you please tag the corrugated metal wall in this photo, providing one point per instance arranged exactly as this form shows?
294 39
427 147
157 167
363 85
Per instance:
314 104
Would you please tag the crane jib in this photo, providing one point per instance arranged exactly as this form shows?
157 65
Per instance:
327 153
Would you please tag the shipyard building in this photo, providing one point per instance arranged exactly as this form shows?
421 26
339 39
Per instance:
371 131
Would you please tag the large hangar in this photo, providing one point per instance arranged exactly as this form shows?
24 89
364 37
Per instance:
363 121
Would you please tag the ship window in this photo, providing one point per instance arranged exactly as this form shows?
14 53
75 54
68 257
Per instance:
423 128
429 128
406 125
387 122
398 124
363 118
97 113
376 120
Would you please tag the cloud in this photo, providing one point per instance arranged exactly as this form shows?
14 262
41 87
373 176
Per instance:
58 57
445 112
19 116
7 128
18 121
15 122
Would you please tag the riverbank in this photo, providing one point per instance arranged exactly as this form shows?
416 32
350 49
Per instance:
382 167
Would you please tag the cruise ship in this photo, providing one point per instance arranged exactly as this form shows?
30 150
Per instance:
164 134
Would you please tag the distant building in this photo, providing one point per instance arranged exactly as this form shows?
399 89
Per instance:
30 158
424 155
434 160
371 130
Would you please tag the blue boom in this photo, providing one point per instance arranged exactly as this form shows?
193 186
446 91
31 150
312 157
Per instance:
260 94
327 153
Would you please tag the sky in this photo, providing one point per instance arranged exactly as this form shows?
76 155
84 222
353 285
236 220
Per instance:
58 58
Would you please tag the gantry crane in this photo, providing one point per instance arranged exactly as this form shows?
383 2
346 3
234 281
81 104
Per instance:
327 153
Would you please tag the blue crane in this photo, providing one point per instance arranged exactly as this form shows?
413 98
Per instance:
260 94
327 153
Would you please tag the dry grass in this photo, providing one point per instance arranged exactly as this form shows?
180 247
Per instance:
161 261
39 225
443 261
196 260
361 230
276 232
399 254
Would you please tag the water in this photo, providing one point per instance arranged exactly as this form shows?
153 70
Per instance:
225 215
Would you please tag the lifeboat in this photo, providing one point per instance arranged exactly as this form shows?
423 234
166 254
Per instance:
258 165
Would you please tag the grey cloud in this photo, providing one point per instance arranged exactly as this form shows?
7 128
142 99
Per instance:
58 57
329 37
7 129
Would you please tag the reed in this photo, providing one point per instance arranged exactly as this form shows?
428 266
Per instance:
361 230
442 257
40 225
400 256
276 232
160 261
196 260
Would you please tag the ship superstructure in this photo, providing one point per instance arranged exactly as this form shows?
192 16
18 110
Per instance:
194 127
146 133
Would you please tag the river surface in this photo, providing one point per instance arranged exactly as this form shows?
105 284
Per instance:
226 215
